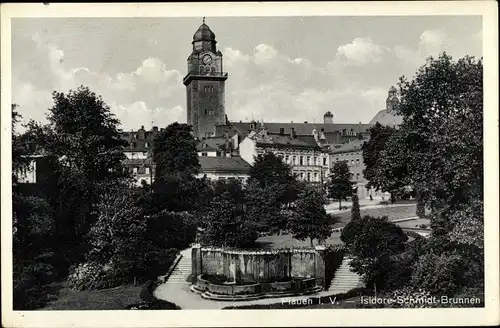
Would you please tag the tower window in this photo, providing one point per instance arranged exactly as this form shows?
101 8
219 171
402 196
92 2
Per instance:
213 69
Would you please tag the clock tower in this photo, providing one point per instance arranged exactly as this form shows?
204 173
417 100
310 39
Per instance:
204 83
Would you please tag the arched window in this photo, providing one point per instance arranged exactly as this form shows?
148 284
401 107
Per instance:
213 70
202 69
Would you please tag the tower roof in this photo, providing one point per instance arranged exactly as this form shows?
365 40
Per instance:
328 113
204 34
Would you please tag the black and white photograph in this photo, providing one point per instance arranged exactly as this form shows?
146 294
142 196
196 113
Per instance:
172 157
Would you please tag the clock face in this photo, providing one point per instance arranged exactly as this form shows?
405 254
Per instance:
207 59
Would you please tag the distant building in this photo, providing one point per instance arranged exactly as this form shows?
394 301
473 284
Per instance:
224 168
205 84
306 158
388 116
138 154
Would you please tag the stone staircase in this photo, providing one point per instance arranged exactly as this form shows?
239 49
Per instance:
181 271
344 279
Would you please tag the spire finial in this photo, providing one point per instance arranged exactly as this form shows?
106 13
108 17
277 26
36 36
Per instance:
203 20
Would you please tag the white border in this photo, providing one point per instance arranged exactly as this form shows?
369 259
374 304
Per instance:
267 318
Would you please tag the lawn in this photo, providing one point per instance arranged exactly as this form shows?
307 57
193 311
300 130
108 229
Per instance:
287 241
393 213
107 299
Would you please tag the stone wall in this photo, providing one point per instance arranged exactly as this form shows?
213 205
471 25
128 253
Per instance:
241 266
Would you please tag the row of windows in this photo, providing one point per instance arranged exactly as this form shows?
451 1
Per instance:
136 169
311 177
353 161
134 144
240 179
357 176
209 88
210 111
303 160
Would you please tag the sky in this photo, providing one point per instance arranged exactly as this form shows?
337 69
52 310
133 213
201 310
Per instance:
281 69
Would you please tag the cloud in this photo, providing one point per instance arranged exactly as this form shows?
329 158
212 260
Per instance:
361 51
138 113
127 93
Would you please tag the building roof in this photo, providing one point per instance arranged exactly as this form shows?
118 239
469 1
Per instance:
223 164
277 140
301 129
353 146
204 33
385 118
137 139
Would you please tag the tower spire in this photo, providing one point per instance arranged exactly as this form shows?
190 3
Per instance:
203 20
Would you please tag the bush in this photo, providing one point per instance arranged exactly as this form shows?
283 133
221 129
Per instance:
92 275
355 213
438 274
29 285
158 261
334 257
172 229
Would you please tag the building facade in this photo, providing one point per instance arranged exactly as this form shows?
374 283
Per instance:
139 162
205 84
307 159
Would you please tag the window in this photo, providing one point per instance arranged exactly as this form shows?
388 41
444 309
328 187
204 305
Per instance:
352 161
202 69
213 69
307 160
352 176
308 176
204 154
357 176
134 170
315 161
294 160
316 177
286 159
147 170
324 160
357 161
301 160
282 131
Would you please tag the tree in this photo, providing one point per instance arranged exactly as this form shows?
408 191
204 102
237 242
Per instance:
373 242
379 134
438 150
308 218
175 187
174 151
262 204
355 213
228 225
340 186
87 152
270 171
